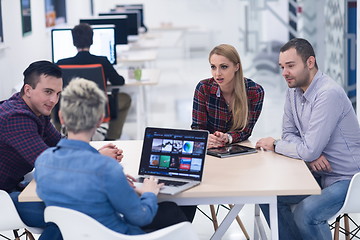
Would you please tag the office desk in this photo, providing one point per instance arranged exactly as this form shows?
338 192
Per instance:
149 77
247 179
141 58
145 44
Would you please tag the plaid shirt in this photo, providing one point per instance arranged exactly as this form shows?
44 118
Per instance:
211 112
23 136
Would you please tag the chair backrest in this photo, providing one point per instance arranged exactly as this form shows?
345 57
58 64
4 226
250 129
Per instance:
76 225
93 72
9 217
351 203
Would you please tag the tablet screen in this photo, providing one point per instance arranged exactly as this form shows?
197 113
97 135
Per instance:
234 149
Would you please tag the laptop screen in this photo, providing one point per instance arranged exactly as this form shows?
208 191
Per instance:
174 153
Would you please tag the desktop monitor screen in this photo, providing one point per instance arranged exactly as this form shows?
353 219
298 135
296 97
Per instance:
103 43
131 7
133 22
120 22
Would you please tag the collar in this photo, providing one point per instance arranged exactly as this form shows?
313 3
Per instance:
310 93
21 102
75 144
214 87
83 53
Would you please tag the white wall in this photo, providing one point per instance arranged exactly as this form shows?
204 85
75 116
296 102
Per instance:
224 18
221 17
76 9
20 51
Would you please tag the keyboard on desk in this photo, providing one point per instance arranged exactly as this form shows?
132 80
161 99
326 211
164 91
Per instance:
165 181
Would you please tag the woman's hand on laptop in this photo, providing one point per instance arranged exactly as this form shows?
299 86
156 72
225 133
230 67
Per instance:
131 180
149 185
112 151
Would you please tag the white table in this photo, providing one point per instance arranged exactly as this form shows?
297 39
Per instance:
137 58
247 179
144 44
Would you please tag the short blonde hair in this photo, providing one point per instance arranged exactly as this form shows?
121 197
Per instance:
82 105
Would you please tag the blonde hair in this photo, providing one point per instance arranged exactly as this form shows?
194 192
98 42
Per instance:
82 105
240 108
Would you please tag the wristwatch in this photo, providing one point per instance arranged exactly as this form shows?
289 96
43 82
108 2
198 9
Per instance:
275 142
230 139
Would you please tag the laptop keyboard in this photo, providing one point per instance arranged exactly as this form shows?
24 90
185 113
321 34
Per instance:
166 182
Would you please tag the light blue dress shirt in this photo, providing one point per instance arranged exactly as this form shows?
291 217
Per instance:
75 175
322 121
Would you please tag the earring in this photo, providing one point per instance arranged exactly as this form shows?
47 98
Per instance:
63 130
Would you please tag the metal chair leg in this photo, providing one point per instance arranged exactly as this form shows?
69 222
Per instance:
16 234
26 232
349 234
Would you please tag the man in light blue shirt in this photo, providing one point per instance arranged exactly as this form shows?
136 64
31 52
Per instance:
320 127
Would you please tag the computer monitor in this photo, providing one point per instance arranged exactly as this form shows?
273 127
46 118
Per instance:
139 5
133 22
120 22
129 7
103 43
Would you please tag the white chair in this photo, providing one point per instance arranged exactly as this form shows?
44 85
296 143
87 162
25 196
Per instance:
10 219
351 205
75 225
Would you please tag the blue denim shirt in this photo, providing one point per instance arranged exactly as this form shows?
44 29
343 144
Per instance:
75 175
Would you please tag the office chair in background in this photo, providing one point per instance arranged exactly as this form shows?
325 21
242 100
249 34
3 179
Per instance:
93 72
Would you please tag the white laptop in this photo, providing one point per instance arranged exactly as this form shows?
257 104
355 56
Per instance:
174 156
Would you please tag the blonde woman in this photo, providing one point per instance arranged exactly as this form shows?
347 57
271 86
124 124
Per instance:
228 104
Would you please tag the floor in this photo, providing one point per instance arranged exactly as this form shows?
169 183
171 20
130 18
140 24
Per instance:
170 105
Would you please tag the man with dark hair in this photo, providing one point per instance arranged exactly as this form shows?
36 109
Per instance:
82 36
82 39
25 132
302 47
32 73
321 128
